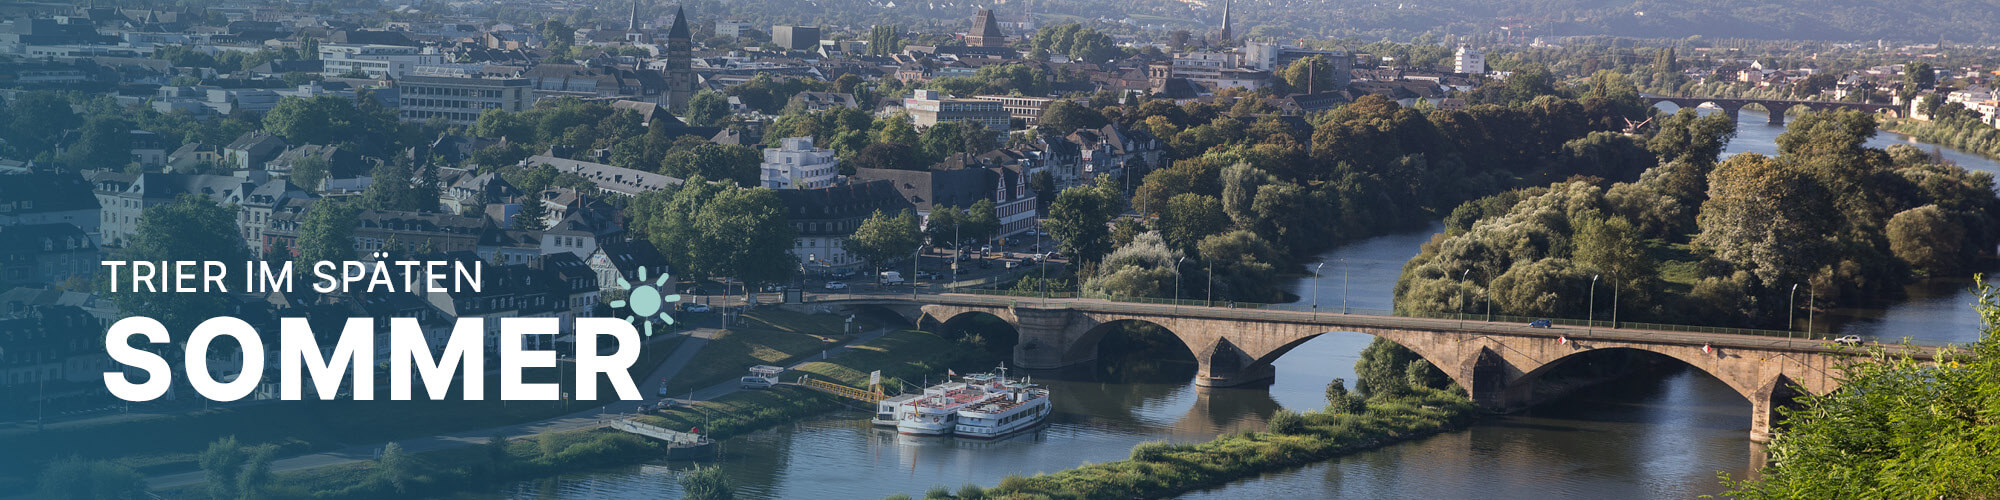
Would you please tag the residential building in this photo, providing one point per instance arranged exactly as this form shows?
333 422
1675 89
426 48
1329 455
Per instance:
32 254
620 261
460 100
822 101
51 198
1469 61
928 190
824 219
610 180
796 164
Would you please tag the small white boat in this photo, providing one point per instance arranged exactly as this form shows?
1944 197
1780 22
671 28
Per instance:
1019 406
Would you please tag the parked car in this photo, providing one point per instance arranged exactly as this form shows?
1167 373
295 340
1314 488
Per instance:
1848 340
1013 264
1542 323
926 275
694 307
835 285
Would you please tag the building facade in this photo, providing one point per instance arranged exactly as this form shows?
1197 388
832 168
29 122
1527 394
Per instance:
460 101
797 164
930 107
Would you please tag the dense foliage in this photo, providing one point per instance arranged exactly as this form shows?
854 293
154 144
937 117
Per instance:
1722 244
1897 428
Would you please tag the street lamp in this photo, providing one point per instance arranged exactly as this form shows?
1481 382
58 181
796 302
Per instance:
1211 283
1810 293
1177 283
1791 309
1590 315
1343 285
1316 288
1461 307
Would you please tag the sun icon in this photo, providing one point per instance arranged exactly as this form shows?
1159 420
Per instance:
647 301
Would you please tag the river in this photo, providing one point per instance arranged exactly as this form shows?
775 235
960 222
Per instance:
1661 437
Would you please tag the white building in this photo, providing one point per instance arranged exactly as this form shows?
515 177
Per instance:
377 61
799 165
1469 61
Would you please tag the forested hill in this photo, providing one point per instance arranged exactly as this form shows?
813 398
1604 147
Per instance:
1370 20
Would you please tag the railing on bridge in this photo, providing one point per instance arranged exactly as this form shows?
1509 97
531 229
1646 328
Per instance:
1247 310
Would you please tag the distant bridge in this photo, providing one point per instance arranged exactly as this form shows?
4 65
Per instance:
1498 362
1777 107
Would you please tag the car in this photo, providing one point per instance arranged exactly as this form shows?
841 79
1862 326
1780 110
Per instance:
1013 264
1848 340
926 275
835 285
986 249
1542 323
694 307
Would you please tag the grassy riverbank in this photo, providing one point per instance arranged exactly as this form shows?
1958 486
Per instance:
1157 469
1963 134
904 353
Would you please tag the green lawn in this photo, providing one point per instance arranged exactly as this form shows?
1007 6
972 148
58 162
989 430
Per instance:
1679 266
766 336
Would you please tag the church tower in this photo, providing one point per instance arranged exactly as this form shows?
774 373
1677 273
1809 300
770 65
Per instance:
1227 35
632 25
680 65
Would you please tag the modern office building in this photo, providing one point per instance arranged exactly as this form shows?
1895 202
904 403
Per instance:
930 107
459 101
796 164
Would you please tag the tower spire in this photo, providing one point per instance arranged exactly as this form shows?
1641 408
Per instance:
1226 4
632 26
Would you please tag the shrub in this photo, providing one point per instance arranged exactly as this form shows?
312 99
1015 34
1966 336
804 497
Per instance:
705 483
1286 422
1150 451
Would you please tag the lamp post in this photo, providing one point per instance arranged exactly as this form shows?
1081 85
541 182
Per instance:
1590 315
1461 307
1177 283
1791 309
1810 296
1316 289
915 257
1211 283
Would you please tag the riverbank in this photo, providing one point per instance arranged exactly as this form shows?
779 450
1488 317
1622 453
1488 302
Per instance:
904 353
1158 469
1968 136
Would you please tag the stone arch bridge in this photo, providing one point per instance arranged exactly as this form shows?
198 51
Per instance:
1497 363
1777 107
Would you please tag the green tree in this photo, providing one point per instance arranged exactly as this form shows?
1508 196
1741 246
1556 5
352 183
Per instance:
1768 217
1064 116
1898 427
1142 268
1078 220
743 233
221 464
707 108
1920 76
326 234
883 237
533 214
1190 217
981 221
395 467
394 188
883 155
1383 369
739 164
1338 400
1930 240
256 474
1308 75
190 228
34 121
106 143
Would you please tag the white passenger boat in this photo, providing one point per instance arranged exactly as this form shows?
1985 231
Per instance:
936 412
1017 405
